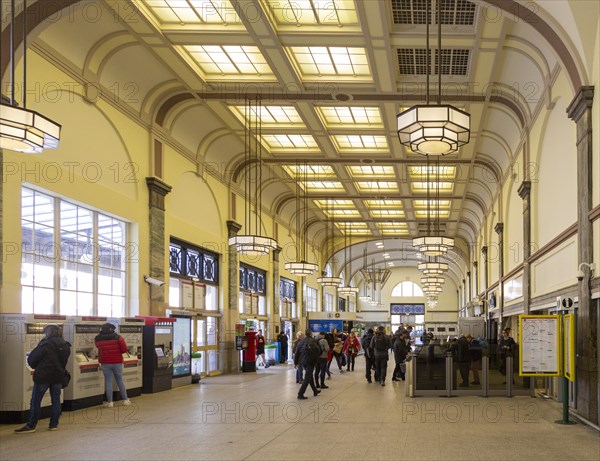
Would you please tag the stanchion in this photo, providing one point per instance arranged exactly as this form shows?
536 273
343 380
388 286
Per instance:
565 382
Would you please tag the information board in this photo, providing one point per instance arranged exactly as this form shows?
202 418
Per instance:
187 295
569 346
199 296
540 345
325 325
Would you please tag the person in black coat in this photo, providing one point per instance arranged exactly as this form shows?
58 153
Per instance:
369 353
463 359
401 349
48 361
301 358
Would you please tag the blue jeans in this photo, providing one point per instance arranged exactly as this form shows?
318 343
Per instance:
299 373
116 370
36 403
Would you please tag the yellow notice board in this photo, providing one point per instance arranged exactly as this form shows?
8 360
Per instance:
569 346
540 345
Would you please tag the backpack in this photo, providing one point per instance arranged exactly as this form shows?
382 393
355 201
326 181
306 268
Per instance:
313 350
380 343
481 343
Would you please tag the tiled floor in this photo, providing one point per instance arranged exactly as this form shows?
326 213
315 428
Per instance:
257 417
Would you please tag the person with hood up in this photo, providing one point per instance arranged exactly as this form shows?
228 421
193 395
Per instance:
111 347
48 361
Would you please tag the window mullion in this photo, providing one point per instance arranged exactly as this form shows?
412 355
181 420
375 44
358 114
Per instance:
57 257
95 263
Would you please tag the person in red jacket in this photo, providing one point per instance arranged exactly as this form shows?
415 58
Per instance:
111 347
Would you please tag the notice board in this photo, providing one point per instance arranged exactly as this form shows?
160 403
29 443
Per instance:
540 345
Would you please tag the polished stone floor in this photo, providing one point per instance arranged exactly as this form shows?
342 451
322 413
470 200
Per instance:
257 417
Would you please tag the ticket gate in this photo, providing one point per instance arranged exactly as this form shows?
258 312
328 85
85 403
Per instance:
157 353
19 335
86 388
131 329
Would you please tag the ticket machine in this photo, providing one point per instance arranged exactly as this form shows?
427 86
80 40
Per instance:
19 335
86 388
131 330
157 352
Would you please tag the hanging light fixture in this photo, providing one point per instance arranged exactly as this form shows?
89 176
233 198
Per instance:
252 241
432 302
347 290
434 280
21 129
434 129
301 267
365 297
433 245
329 280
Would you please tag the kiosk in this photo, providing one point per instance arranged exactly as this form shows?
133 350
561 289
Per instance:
249 353
158 361
86 388
131 329
182 346
19 335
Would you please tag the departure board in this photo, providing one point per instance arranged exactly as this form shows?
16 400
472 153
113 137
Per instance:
540 351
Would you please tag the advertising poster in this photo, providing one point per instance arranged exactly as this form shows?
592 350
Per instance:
187 295
254 304
199 296
325 325
247 304
540 347
182 338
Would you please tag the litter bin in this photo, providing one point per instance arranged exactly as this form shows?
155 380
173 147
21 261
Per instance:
271 353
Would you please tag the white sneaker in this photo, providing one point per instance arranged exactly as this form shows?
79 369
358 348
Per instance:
126 403
108 404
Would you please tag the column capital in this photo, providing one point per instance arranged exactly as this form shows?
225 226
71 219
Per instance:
524 189
484 250
582 101
158 190
233 228
475 264
499 228
468 273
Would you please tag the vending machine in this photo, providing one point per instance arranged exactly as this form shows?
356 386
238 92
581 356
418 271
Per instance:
19 335
86 388
157 352
131 329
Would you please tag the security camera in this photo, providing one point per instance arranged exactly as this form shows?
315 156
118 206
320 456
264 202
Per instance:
153 281
580 276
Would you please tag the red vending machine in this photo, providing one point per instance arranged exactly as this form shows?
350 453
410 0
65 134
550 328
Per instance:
249 354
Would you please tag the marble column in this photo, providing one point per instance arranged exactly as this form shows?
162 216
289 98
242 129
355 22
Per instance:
580 111
231 356
499 229
525 193
157 191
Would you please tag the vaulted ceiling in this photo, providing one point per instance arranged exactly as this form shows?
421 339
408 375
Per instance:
331 76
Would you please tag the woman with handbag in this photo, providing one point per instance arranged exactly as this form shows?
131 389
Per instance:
48 361
351 348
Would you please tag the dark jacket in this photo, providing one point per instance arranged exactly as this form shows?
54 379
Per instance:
111 347
401 350
49 360
463 353
366 345
301 357
388 345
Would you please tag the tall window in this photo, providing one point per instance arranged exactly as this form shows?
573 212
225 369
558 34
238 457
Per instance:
328 302
253 290
407 289
74 259
311 299
287 299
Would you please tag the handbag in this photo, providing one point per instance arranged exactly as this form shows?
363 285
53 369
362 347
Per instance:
338 347
66 379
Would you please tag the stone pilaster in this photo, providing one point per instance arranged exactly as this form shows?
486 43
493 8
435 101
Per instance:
484 255
525 193
157 191
1 223
230 355
499 229
275 317
476 279
580 111
469 288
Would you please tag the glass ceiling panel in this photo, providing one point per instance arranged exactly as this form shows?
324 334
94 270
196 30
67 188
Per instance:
383 203
387 213
422 214
338 117
374 186
432 203
289 141
270 116
319 61
346 213
360 142
446 172
394 231
193 11
397 224
334 203
323 186
312 12
369 171
420 186
312 172
215 60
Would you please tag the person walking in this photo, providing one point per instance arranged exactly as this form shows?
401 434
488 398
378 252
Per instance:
299 367
260 348
283 345
321 367
380 343
111 347
48 361
506 346
351 348
401 349
369 353
305 355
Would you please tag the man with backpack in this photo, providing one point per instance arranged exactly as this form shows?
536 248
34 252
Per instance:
369 354
307 354
380 344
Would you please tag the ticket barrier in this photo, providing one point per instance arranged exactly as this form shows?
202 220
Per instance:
86 388
19 335
157 352
131 329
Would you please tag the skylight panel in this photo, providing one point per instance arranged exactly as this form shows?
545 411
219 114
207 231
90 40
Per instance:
193 11
215 60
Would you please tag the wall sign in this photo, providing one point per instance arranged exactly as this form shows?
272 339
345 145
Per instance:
540 345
